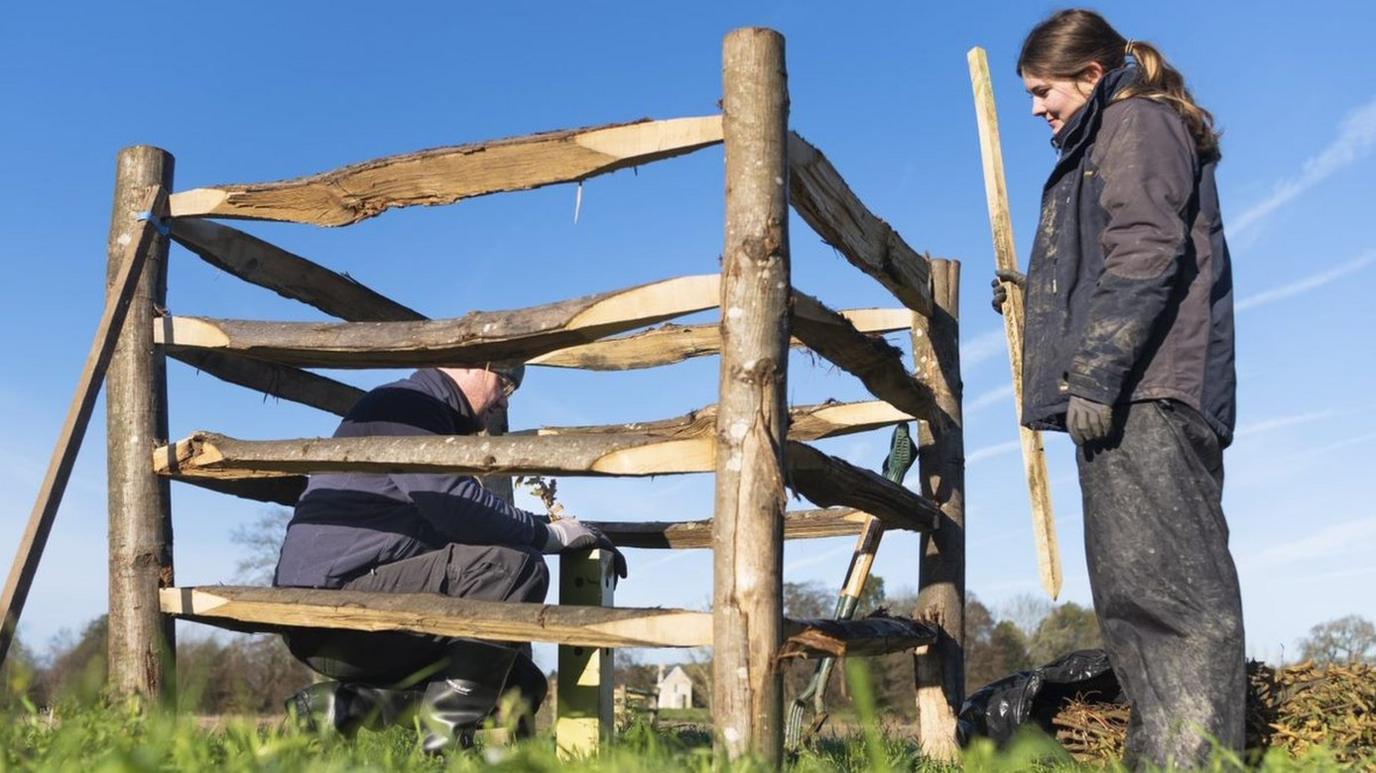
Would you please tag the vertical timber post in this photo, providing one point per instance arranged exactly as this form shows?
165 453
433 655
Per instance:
583 693
940 668
747 531
141 643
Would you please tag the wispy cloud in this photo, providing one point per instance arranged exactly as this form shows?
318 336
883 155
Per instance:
1356 139
1308 283
989 452
1266 425
1342 538
983 346
824 556
991 397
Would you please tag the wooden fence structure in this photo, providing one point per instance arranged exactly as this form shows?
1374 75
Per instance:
754 443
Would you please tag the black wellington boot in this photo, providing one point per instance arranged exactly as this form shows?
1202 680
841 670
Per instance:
454 707
346 707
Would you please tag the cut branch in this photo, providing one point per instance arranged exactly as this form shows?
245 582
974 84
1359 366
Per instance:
827 481
806 422
669 344
822 198
273 609
446 175
274 379
290 276
878 634
877 364
690 535
274 470
476 338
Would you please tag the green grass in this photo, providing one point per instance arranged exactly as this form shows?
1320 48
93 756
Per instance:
95 737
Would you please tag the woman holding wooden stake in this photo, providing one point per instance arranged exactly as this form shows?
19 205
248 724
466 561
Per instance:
1129 348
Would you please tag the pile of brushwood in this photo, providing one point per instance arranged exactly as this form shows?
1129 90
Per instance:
1292 708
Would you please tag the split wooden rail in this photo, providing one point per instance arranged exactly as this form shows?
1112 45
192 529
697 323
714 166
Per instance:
755 445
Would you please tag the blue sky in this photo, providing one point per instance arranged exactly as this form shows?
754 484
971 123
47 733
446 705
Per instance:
259 91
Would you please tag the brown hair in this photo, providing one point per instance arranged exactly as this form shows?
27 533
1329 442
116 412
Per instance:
1064 45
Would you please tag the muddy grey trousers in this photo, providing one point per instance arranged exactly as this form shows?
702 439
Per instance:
386 658
1164 584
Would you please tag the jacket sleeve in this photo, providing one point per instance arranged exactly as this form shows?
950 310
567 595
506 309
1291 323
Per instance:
1147 167
461 510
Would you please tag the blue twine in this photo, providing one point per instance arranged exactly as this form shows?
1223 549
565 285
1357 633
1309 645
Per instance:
162 226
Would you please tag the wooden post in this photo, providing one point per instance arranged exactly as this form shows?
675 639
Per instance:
141 643
583 707
752 419
940 668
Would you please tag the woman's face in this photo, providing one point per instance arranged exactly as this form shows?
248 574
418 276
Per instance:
1056 100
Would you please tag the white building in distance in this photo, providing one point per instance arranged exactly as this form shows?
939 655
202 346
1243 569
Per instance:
675 689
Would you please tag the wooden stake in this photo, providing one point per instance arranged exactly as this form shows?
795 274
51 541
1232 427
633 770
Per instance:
747 595
583 711
141 639
1006 259
940 670
117 300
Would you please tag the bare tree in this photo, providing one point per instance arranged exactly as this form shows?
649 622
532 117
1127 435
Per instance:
1026 611
1350 639
261 542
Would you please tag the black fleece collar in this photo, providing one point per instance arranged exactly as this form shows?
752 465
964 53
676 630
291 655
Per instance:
1085 123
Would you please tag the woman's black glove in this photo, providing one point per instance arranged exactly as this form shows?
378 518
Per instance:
1088 421
1001 290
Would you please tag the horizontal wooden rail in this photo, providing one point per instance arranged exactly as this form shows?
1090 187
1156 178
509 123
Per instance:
290 276
697 535
877 364
668 344
446 175
274 379
826 203
277 609
475 338
269 609
806 422
866 637
269 470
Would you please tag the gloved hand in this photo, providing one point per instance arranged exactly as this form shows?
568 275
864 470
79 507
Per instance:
1001 291
570 534
1088 421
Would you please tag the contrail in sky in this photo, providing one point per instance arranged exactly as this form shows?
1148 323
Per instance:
1308 283
1356 139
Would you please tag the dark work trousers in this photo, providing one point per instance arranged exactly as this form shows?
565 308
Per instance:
398 658
1165 588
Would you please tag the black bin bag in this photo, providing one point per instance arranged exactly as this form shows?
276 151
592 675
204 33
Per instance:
999 708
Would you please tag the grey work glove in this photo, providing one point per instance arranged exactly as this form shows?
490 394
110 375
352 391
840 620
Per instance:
1001 290
569 534
1088 421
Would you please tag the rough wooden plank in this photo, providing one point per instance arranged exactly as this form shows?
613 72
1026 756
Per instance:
827 204
290 276
218 456
668 344
583 695
273 470
117 300
141 645
805 422
827 481
940 670
273 379
752 420
1014 316
875 635
450 174
877 364
266 609
694 535
474 339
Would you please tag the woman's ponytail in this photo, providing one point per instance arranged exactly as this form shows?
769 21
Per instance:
1159 81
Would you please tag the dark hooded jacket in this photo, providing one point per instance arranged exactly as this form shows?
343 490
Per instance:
1129 288
347 523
